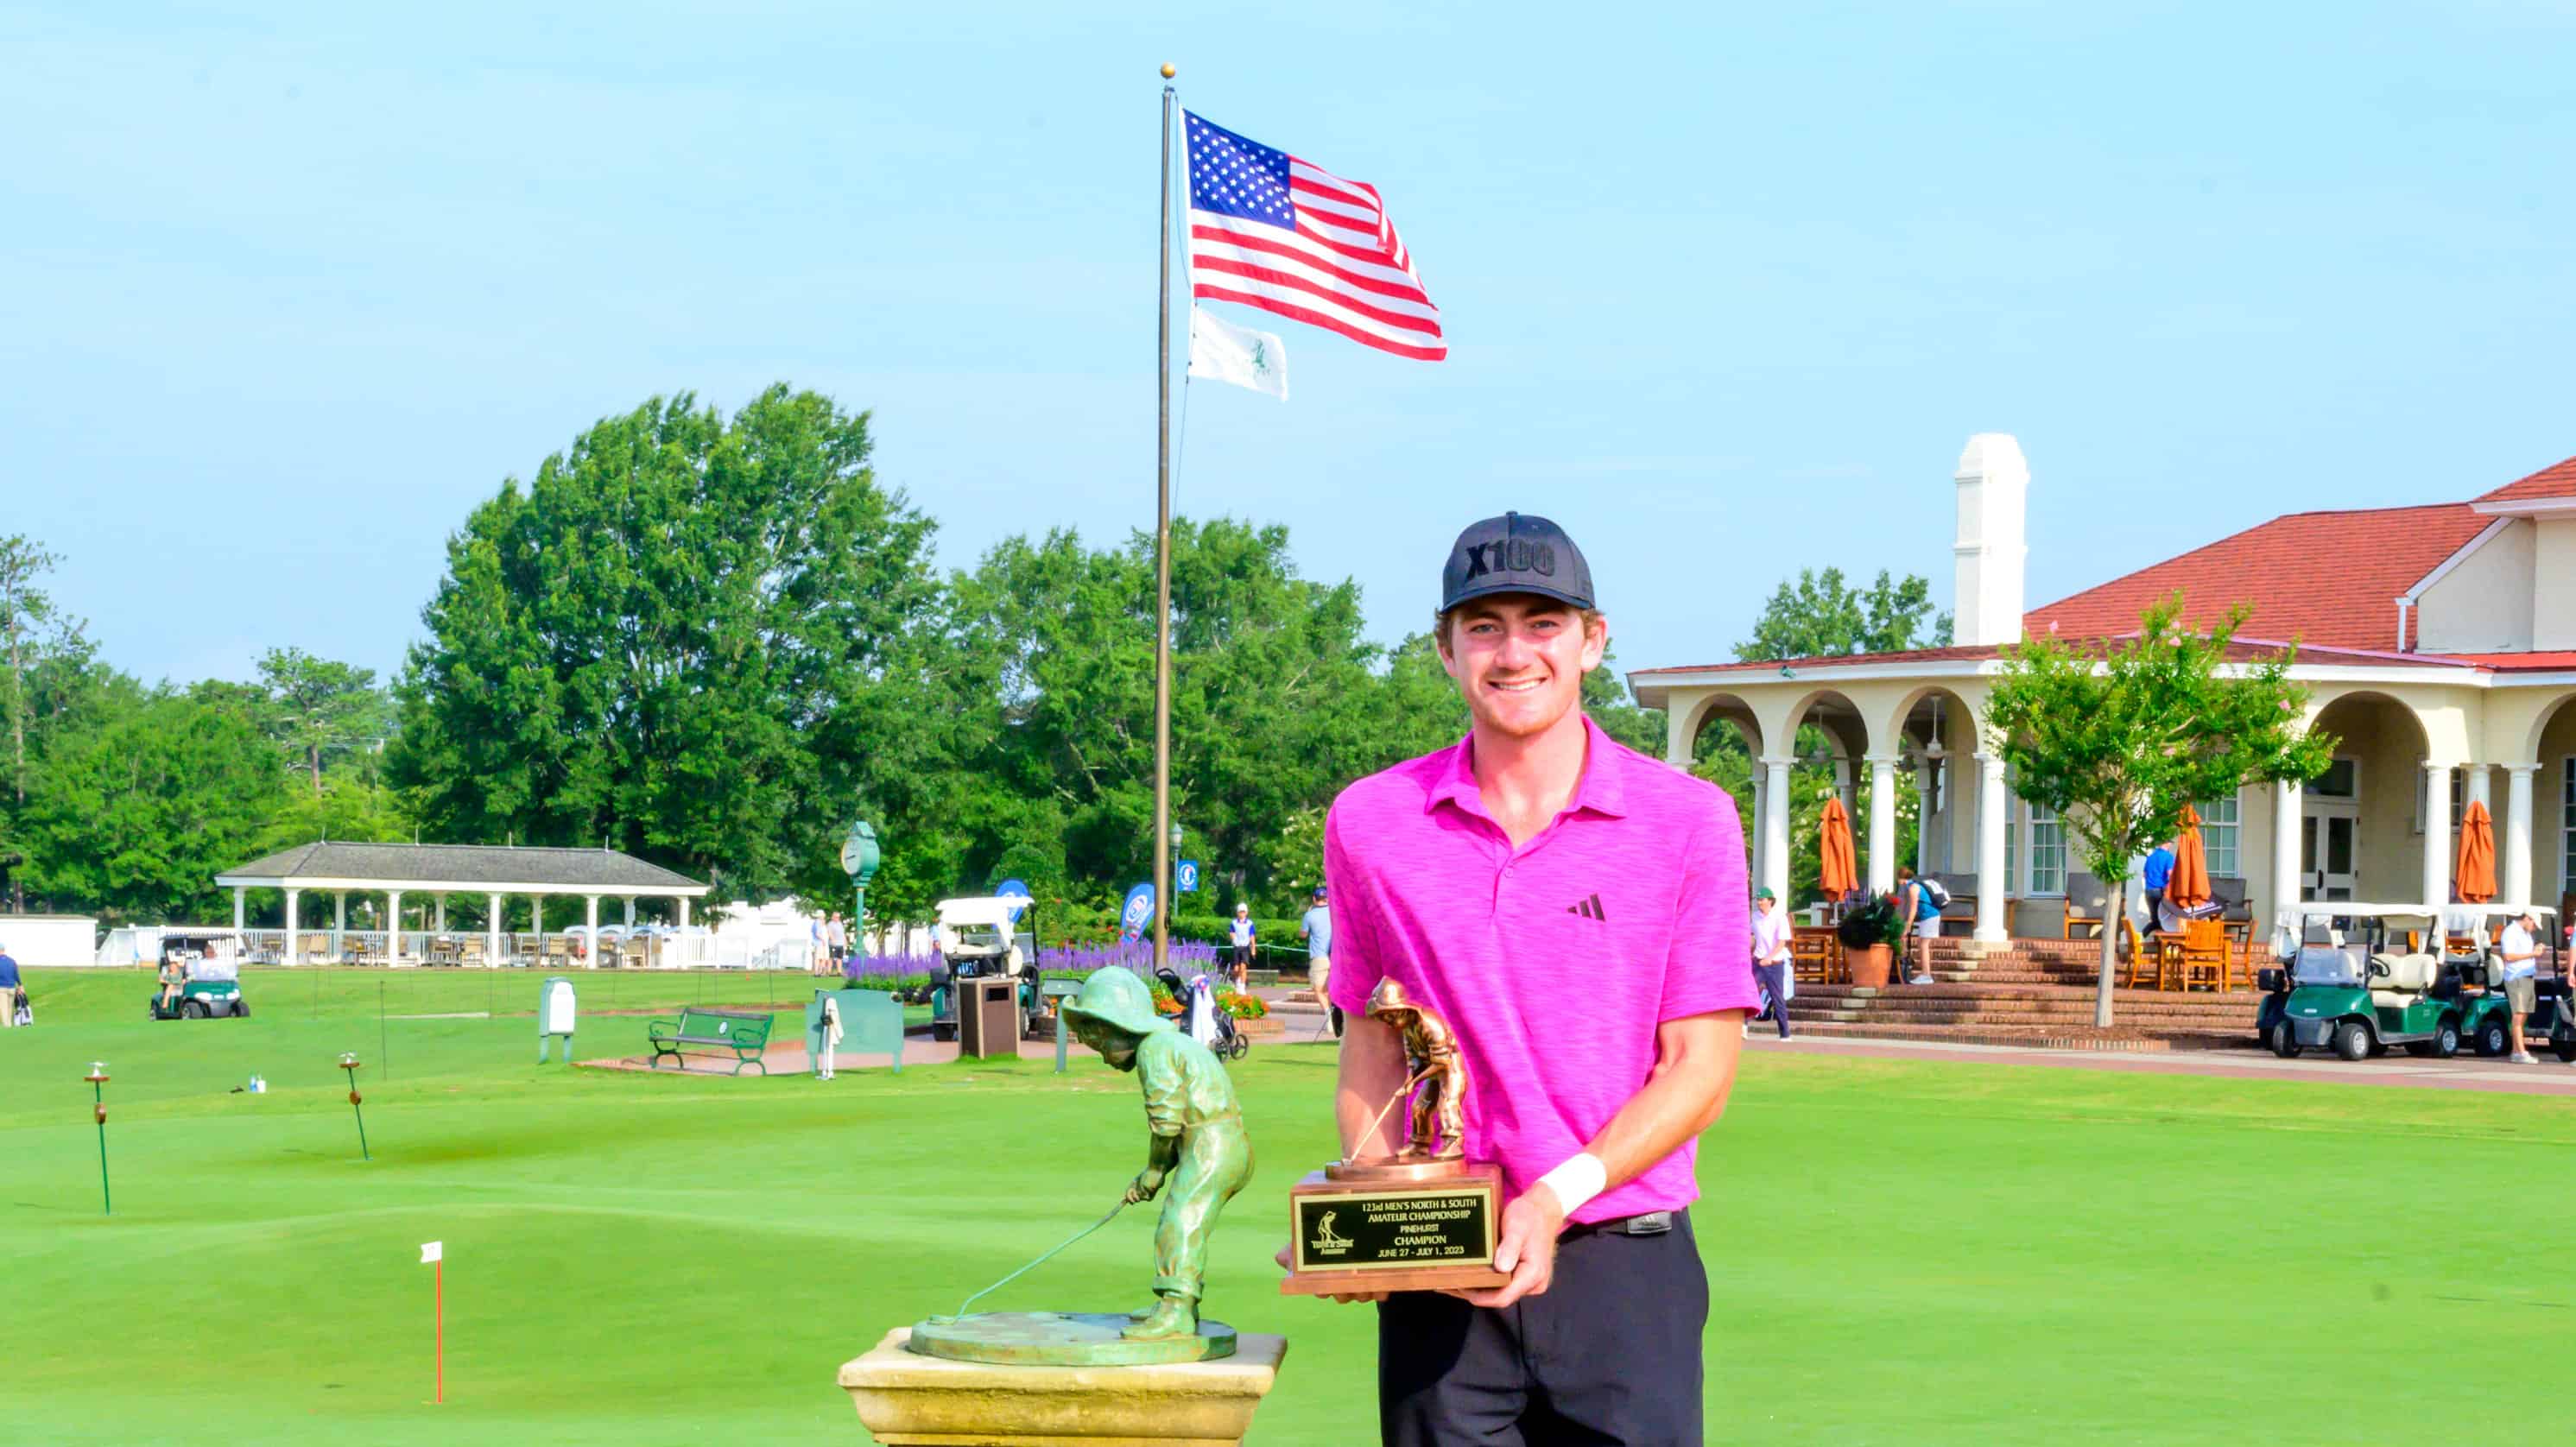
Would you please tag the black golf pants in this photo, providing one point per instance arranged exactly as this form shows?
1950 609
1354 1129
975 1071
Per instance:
1608 1357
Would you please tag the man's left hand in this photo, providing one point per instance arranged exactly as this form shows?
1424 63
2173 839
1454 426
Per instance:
1525 1252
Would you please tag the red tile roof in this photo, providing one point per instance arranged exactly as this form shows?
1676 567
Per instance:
2557 481
2328 579
1774 665
2242 650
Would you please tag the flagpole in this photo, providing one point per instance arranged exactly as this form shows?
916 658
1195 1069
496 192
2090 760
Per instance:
1163 559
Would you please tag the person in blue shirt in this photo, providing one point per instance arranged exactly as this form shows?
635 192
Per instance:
1316 929
1241 937
9 988
2159 870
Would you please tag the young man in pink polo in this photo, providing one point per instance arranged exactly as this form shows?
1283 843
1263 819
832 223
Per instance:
1576 912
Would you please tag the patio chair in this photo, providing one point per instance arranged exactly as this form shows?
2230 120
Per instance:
1816 957
2085 901
2147 968
2204 957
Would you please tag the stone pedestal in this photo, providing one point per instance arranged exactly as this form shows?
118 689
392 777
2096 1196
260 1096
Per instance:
907 1400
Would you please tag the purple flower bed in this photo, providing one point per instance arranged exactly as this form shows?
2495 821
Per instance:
907 972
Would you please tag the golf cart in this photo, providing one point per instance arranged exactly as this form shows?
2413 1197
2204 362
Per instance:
2349 988
206 969
978 938
2488 1019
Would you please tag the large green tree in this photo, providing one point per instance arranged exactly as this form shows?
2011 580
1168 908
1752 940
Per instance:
2120 737
1820 615
321 710
700 638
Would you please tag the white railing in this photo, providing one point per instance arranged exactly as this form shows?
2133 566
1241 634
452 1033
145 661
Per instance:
566 949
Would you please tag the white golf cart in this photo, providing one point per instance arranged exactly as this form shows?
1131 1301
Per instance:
980 936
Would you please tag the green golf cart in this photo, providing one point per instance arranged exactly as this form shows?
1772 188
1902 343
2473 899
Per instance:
2344 985
200 978
2486 1018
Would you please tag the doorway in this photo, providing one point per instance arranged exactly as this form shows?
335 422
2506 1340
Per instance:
2327 866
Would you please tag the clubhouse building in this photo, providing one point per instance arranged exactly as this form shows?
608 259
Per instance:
2437 643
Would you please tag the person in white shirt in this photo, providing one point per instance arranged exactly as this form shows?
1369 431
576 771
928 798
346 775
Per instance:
1240 933
2518 950
1771 957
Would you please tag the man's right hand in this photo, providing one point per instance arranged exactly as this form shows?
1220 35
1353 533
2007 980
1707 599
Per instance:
1288 1262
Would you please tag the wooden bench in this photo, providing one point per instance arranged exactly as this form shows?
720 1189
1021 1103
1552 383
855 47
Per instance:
701 1031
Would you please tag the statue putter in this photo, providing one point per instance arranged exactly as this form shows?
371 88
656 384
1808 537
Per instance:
1196 1158
1421 1219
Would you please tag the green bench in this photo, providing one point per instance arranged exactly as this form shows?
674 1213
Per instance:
701 1031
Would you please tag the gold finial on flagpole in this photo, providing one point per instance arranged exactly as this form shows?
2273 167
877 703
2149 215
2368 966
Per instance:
1170 70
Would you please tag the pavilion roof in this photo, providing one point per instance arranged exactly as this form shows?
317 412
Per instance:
2556 481
461 867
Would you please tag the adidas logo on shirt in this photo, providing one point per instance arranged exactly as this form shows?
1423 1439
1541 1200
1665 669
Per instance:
1589 908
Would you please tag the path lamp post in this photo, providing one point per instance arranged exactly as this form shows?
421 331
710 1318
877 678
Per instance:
97 1078
349 1063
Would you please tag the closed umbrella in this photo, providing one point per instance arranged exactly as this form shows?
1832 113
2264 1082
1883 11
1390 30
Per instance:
1838 874
2188 888
2474 871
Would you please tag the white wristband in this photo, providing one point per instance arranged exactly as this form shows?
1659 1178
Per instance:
1577 1180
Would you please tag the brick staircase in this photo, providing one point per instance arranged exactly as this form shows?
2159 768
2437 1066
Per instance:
2030 993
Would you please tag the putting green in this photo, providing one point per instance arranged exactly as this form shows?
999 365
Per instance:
1899 1252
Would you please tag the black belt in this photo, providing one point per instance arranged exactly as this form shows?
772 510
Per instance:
1650 1223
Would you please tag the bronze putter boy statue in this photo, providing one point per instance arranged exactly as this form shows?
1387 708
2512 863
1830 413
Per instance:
1197 1155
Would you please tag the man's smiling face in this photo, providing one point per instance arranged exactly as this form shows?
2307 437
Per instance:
1519 660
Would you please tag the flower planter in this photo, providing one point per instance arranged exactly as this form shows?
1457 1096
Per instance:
1869 966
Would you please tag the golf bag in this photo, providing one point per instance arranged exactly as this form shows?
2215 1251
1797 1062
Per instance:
19 1010
1202 1019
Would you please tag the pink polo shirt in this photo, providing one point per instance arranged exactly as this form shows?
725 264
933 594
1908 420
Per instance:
1554 963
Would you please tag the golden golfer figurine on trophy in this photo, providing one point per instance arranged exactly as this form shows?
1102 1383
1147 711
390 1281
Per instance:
1421 1219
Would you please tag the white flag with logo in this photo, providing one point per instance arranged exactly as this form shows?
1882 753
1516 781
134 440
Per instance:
432 1251
1223 352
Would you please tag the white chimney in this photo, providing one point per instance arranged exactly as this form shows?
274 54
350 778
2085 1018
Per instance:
1994 482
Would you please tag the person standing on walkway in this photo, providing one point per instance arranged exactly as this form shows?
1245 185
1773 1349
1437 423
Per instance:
1316 929
1771 962
2518 949
818 953
2155 875
1921 914
1469 878
836 938
10 989
1241 935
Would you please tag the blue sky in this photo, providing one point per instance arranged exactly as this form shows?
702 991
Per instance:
290 288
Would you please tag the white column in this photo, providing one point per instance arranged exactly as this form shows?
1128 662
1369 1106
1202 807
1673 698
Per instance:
590 934
2482 786
1775 828
1925 784
441 915
492 932
537 924
393 926
339 924
1990 848
2516 884
286 949
2437 838
2289 810
630 914
1761 825
1882 824
241 910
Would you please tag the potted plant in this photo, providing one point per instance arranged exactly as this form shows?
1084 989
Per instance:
1870 934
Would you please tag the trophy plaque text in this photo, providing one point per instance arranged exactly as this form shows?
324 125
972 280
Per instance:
1422 1219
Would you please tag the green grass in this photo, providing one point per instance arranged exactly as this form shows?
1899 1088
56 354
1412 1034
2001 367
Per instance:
1899 1253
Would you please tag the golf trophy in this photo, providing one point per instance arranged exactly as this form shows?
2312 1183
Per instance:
1422 1219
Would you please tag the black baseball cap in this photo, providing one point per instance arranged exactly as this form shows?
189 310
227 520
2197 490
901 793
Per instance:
1515 553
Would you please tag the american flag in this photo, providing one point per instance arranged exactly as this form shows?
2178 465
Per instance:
1290 237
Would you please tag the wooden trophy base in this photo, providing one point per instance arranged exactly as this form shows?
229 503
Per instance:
1394 1225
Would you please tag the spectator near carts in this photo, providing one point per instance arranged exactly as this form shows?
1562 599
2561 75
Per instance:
1771 957
1920 909
2154 876
1474 879
2519 950
11 990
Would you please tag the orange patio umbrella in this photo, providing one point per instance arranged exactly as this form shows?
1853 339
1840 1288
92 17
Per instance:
2188 888
1839 874
2474 872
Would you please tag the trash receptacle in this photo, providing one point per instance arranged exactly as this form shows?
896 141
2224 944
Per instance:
988 1016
